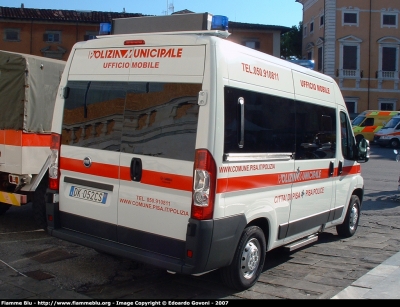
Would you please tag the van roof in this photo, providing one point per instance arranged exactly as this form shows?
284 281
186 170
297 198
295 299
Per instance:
379 113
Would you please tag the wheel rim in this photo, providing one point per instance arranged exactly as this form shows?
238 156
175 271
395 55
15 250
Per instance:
353 217
250 259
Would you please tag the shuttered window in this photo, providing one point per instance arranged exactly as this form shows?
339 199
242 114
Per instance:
350 57
388 59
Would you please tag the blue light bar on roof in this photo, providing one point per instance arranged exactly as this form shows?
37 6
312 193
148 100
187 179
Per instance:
105 28
219 22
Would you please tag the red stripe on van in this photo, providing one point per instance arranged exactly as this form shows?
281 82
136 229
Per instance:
369 129
350 170
158 179
20 138
172 181
234 184
96 169
185 183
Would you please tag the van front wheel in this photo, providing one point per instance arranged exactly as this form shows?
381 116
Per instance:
248 260
394 143
349 226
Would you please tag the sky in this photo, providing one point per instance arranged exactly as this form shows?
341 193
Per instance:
285 13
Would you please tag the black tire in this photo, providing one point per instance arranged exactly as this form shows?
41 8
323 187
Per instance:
394 143
39 204
350 223
248 261
4 207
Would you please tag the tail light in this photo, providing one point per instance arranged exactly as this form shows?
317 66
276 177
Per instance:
54 171
204 181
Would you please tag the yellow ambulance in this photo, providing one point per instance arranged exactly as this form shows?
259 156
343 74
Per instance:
369 122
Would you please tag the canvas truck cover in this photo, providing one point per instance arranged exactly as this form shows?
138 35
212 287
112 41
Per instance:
28 87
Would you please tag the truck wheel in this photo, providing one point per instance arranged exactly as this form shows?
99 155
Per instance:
394 143
350 223
39 204
247 262
4 207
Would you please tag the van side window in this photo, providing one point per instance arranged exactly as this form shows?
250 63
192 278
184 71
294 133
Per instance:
315 131
275 124
347 138
267 128
368 122
155 119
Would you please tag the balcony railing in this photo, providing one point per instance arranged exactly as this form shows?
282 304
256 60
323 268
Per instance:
388 75
349 73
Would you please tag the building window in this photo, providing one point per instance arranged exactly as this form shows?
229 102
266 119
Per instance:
351 104
389 49
311 27
304 31
350 57
320 64
52 36
11 35
389 56
350 18
253 44
387 104
321 20
389 20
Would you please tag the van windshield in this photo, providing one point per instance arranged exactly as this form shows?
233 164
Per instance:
392 123
357 121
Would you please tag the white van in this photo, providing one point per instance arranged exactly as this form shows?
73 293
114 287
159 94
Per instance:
192 153
389 135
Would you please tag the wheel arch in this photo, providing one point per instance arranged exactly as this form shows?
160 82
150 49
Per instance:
264 224
360 193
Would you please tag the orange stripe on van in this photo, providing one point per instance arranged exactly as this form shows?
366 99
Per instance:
159 179
20 138
235 184
96 169
370 128
350 170
185 183
172 181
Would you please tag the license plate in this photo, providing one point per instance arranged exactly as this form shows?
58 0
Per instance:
87 194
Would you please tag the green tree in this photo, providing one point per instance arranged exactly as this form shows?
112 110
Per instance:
291 42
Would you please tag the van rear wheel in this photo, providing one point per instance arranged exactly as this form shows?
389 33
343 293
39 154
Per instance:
248 260
349 226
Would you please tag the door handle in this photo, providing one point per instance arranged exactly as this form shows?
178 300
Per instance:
340 168
331 169
136 169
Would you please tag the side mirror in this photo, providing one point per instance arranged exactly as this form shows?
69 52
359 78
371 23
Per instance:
362 145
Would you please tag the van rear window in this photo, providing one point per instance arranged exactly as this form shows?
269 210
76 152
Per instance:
144 118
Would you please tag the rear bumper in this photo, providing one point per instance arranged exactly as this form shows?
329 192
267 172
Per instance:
13 199
212 243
